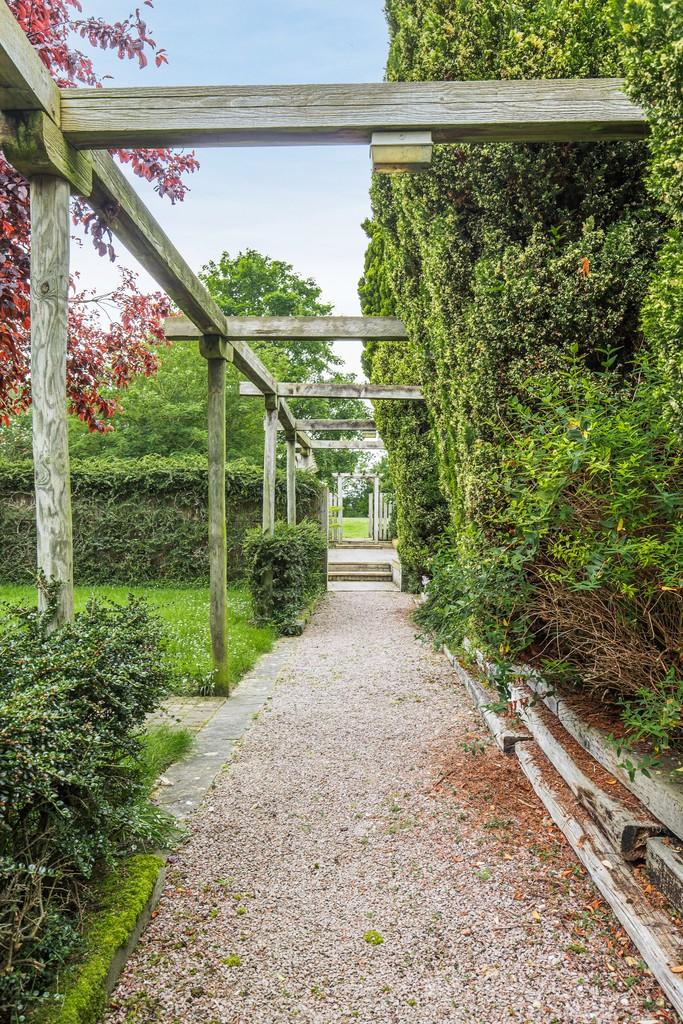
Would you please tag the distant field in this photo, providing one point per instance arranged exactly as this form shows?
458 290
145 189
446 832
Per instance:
184 612
356 529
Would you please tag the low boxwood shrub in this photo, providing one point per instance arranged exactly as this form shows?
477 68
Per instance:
73 790
285 571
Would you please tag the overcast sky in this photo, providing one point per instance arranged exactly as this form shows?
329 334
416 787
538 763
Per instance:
302 205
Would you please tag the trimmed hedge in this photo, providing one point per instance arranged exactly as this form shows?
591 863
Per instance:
541 286
139 520
286 572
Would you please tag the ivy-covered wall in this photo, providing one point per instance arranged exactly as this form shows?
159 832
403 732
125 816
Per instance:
140 520
525 276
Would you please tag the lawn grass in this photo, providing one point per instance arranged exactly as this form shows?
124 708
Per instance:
356 528
184 612
162 746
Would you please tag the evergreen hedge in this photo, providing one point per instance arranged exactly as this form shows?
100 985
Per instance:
140 520
517 267
286 572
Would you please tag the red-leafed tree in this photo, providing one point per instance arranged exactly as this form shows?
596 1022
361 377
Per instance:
101 356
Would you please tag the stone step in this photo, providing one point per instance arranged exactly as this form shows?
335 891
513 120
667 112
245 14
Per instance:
368 577
359 567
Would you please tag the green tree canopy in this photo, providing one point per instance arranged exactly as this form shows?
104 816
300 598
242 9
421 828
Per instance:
166 414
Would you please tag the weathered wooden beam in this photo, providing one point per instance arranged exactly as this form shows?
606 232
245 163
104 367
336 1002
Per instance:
372 392
269 464
648 925
262 115
50 240
273 328
213 350
125 213
336 425
34 145
291 479
25 83
629 829
350 444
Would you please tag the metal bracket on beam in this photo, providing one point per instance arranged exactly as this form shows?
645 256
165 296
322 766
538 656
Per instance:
401 152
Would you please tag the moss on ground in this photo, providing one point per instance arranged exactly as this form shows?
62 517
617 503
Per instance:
120 898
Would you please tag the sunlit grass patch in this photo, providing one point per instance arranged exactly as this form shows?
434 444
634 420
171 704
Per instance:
184 612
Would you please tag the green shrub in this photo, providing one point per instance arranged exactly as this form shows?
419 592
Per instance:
507 262
114 905
140 520
582 553
286 572
73 790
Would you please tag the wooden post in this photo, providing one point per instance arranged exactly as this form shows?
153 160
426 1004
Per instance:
291 479
375 495
214 351
50 240
371 528
269 464
324 516
340 505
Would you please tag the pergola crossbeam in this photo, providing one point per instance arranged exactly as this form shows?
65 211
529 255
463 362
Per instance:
370 392
300 328
25 83
576 110
350 444
323 425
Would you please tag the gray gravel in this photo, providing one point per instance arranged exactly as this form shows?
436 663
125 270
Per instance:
368 803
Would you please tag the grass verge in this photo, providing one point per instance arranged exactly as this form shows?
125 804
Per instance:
185 614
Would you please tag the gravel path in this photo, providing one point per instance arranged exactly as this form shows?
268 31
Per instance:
369 856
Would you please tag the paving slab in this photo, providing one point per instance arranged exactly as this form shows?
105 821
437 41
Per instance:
185 783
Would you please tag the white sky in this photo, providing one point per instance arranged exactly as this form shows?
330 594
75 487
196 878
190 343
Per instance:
303 205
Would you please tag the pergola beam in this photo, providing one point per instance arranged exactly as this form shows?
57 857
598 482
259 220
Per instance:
322 425
300 328
370 392
350 444
25 83
558 110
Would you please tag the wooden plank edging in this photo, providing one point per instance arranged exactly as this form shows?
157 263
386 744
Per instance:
662 797
648 927
505 735
664 868
627 830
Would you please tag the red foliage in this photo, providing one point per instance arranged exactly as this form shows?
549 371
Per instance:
100 356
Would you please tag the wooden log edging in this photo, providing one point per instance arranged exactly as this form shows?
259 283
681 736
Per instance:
664 868
662 797
649 928
628 830
504 733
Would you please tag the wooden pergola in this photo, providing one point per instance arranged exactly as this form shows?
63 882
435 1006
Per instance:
59 140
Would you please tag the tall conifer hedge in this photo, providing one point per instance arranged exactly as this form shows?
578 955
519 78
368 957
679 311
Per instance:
539 315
